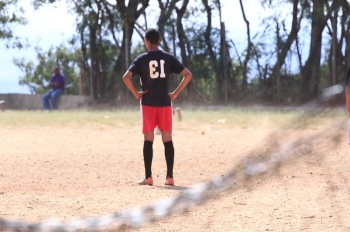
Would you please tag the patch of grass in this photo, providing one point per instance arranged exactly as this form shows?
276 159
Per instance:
242 117
68 118
192 118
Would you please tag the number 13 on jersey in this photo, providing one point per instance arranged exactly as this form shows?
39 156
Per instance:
153 73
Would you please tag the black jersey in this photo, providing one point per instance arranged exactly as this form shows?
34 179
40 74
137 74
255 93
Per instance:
154 69
347 80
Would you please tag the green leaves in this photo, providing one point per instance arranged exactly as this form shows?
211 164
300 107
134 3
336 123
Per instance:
10 15
38 3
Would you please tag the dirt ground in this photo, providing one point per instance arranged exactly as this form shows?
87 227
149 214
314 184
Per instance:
71 173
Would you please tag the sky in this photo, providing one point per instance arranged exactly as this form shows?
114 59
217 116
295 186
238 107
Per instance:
52 25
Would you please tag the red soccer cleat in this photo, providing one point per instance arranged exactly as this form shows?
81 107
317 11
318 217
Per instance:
169 181
148 181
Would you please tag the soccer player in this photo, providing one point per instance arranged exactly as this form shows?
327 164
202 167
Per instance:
154 69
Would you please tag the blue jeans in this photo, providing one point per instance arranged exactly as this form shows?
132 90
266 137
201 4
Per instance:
52 95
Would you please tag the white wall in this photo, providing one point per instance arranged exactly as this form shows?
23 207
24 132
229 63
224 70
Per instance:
34 102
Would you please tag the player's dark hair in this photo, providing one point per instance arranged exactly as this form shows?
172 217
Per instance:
153 36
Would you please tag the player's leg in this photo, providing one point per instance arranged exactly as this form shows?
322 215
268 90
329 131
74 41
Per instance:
46 98
347 92
148 153
148 125
169 152
55 94
349 129
165 125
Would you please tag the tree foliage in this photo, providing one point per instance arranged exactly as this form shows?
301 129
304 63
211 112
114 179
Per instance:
10 15
264 72
37 76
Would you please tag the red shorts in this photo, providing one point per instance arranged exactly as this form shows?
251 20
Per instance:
347 96
156 116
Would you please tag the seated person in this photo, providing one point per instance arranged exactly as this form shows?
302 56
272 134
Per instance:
57 84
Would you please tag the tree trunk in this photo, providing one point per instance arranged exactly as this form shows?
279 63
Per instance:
212 55
344 60
94 74
311 71
165 13
248 51
182 42
102 64
85 67
130 14
334 47
284 48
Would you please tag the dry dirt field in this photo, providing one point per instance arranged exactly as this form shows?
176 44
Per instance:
72 172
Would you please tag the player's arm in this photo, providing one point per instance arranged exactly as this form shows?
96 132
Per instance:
187 76
127 81
347 98
347 94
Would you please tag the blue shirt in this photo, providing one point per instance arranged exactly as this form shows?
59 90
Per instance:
58 79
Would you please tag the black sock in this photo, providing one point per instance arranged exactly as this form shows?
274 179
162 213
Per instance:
147 157
169 158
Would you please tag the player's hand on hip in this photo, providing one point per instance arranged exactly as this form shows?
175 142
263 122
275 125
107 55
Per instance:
138 95
172 96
